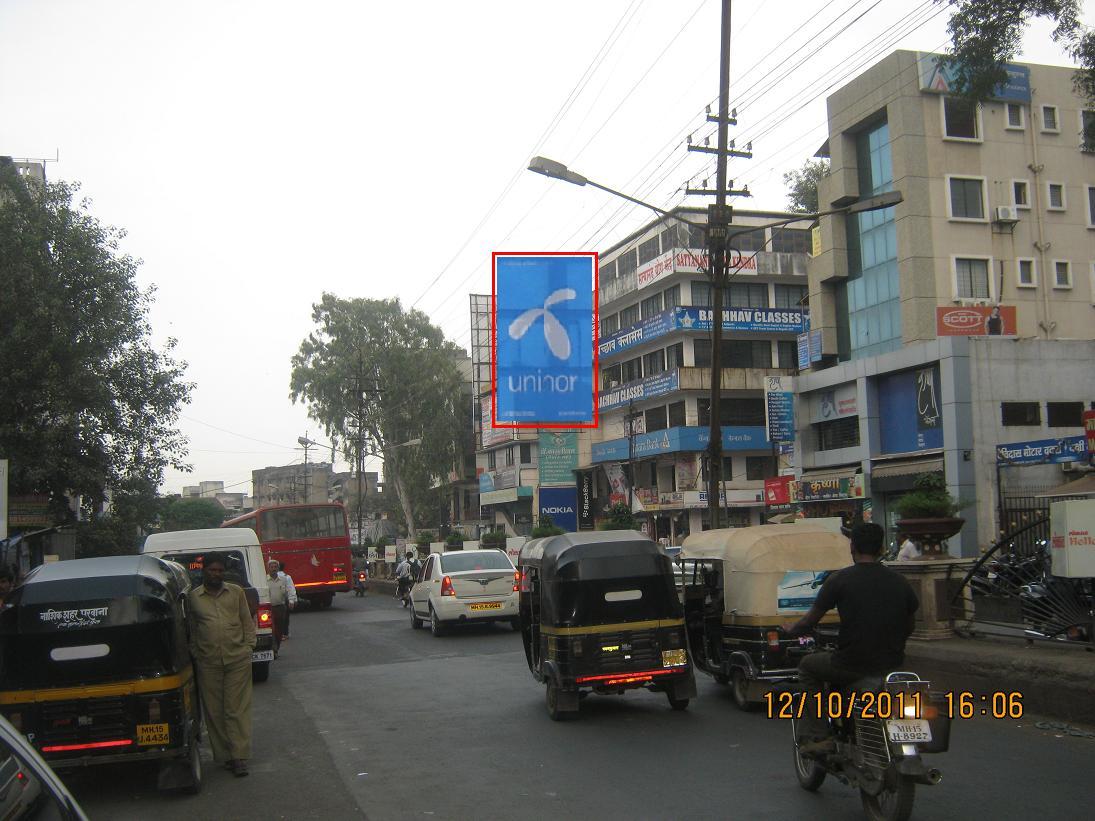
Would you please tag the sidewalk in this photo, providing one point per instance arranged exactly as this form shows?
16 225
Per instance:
1056 681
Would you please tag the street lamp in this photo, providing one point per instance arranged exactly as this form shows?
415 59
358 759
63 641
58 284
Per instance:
719 245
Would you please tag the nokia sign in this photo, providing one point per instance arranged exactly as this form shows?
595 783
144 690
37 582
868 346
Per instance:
560 505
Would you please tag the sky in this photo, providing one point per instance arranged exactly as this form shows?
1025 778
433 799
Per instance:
261 153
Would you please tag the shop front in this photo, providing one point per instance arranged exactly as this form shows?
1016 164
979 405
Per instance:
836 493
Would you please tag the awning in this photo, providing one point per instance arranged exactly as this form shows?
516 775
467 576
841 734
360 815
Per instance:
821 474
906 467
498 497
1084 486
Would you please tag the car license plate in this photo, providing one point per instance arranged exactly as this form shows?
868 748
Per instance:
487 605
674 658
909 730
153 734
262 655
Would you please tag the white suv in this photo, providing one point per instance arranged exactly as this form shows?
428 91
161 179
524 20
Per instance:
465 587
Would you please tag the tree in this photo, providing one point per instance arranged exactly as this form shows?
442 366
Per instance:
619 518
546 527
985 34
370 363
87 404
192 514
802 186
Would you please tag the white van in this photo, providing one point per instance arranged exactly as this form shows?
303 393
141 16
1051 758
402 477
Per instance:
246 568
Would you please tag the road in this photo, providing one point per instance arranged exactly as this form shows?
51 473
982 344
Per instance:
365 718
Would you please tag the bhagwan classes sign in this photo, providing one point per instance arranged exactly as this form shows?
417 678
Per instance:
542 348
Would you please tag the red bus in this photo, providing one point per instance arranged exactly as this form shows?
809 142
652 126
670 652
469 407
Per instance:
311 541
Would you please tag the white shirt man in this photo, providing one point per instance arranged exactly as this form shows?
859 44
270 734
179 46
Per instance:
908 551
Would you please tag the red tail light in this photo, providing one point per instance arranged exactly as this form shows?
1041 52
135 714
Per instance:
773 639
361 576
516 581
265 616
446 587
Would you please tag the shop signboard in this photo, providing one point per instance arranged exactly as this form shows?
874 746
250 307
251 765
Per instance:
909 407
976 320
492 435
779 408
815 346
505 478
777 491
28 512
820 490
679 439
687 469
657 385
617 482
697 499
1043 451
486 482
560 504
558 457
545 321
837 403
585 500
940 77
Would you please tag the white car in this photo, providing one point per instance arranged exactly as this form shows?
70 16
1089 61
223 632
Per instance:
465 587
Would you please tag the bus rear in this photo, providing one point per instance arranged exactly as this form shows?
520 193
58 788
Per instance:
312 542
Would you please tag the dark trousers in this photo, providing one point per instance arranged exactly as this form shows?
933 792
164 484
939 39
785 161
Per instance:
280 613
813 671
287 612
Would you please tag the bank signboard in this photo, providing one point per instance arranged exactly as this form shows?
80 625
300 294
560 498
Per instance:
543 352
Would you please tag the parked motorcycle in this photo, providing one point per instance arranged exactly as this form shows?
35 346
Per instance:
361 577
878 748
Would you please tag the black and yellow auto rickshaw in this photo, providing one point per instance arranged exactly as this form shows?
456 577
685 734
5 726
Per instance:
599 612
740 585
94 666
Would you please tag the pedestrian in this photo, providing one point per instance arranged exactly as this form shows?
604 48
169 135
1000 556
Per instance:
292 590
222 637
909 550
279 601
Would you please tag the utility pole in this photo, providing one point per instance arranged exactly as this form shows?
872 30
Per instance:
631 454
358 421
305 443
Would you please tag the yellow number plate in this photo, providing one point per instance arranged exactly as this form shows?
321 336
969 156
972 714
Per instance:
338 577
153 734
488 605
674 658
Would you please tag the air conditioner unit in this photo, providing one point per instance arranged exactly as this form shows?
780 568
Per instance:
1006 214
1071 467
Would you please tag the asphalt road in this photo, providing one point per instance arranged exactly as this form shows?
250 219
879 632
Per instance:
365 718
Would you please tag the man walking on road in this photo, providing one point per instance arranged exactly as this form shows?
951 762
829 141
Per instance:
292 590
222 636
279 601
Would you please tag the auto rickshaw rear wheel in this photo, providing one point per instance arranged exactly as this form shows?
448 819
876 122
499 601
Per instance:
739 689
677 703
260 671
194 759
552 699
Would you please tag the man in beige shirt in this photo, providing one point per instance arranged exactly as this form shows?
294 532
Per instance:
222 636
279 600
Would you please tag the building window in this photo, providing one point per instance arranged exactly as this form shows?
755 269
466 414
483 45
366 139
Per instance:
1055 196
1020 414
675 236
742 295
629 316
1026 275
749 242
526 453
960 119
674 356
610 324
967 198
1087 130
607 272
625 263
676 414
1049 118
1062 273
701 353
648 250
971 278
672 296
1015 115
790 241
509 456
492 460
610 377
631 370
790 296
747 353
1091 206
651 305
1064 414
701 294
734 411
758 467
654 362
787 354
839 433
1020 194
656 419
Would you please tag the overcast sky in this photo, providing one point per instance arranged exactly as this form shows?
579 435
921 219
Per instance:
259 153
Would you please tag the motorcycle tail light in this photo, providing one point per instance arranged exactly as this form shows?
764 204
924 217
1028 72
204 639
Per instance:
446 587
517 581
265 616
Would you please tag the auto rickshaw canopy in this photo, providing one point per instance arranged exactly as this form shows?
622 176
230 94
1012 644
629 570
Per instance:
595 554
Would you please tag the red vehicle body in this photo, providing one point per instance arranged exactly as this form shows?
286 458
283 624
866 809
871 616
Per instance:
311 541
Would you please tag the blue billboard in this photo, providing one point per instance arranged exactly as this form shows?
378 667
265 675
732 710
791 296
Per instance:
679 439
910 410
1043 451
544 338
560 504
750 320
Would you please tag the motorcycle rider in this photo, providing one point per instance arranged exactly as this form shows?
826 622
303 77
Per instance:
877 607
404 575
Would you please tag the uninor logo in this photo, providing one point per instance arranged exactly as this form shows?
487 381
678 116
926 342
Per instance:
555 334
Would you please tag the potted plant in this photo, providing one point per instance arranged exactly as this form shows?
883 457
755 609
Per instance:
455 541
928 513
546 527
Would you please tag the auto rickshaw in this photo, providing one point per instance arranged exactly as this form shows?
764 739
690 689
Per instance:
94 666
740 585
599 613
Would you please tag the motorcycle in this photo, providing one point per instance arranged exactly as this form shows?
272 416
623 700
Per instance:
360 579
878 743
403 590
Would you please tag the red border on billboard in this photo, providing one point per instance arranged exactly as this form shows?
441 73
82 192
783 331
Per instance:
494 423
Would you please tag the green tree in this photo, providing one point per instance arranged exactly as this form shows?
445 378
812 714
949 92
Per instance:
87 404
985 34
802 186
192 514
371 363
546 527
619 518
135 510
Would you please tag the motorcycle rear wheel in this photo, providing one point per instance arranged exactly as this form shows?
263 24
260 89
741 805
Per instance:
891 804
810 774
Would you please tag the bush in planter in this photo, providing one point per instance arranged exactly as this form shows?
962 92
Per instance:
619 518
423 538
455 539
546 527
493 538
929 499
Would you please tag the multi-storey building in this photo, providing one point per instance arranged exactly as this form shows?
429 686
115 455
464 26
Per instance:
948 323
655 367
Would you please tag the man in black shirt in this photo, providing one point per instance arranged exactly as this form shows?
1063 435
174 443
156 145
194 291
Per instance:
876 606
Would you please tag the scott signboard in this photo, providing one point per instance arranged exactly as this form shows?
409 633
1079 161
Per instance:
975 320
560 504
543 343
